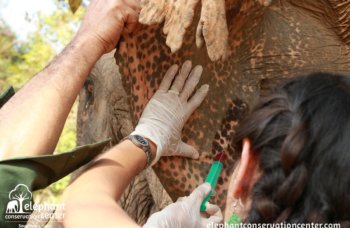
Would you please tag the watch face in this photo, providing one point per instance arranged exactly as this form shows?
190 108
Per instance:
141 140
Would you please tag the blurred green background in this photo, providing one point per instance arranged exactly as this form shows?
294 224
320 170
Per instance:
29 38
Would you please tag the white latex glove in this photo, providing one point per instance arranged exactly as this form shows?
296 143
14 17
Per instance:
168 110
186 212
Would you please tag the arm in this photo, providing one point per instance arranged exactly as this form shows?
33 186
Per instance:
32 121
91 199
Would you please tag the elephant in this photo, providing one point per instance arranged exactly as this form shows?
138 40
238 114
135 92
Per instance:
12 206
267 44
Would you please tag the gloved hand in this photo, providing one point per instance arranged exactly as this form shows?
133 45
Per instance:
178 16
212 28
168 110
186 212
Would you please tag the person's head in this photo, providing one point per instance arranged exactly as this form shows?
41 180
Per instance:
295 164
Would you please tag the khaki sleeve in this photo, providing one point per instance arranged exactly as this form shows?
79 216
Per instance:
28 174
4 97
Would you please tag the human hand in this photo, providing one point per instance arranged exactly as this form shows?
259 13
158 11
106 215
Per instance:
178 16
186 212
212 28
105 21
166 113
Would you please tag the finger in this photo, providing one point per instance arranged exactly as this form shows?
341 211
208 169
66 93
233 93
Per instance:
191 83
198 195
212 209
181 199
197 99
199 35
168 78
187 150
133 4
181 78
131 20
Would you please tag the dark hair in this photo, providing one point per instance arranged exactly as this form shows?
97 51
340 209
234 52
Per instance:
301 133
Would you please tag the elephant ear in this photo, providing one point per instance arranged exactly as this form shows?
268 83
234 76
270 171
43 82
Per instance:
212 28
178 16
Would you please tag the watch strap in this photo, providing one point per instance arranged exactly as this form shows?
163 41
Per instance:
143 144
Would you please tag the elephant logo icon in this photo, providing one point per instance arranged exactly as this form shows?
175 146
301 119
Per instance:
12 206
20 200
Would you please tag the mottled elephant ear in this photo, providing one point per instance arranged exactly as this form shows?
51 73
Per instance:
178 15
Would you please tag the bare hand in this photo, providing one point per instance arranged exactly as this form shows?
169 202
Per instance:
106 20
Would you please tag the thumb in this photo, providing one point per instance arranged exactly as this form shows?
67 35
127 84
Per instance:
215 215
180 199
198 195
214 219
131 19
199 34
188 151
213 209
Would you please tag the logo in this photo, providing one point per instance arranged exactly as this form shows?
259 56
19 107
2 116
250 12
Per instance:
20 207
20 200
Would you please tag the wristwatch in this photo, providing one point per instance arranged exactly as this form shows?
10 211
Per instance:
143 144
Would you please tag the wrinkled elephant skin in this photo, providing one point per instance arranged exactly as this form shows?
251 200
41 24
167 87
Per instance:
266 45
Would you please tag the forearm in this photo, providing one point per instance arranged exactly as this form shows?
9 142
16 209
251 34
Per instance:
101 213
37 113
101 186
103 183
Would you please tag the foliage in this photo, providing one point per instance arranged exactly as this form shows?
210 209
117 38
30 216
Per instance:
8 54
21 60
32 57
74 5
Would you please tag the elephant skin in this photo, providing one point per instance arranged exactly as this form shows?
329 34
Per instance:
268 41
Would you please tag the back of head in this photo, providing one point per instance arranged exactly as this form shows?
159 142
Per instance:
302 135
